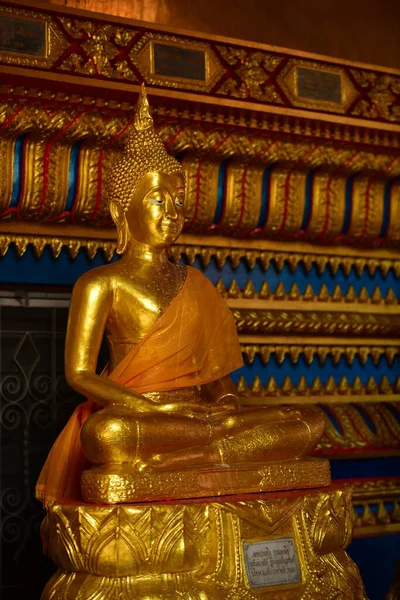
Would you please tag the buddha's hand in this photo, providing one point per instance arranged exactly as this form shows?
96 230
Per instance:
226 403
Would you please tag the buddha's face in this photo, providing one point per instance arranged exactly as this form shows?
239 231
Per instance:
155 216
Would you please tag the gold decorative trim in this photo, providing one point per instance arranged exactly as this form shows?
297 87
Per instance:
128 485
382 90
246 75
275 124
324 319
309 295
294 347
257 393
220 249
359 429
47 183
379 501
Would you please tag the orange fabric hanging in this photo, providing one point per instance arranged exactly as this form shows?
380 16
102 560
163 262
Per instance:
194 342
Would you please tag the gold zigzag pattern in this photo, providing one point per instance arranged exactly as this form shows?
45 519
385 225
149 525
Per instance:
379 504
280 351
317 388
280 259
205 253
234 291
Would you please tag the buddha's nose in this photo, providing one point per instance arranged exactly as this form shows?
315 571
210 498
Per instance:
171 212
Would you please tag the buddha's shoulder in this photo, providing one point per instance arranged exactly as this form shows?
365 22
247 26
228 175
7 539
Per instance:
99 278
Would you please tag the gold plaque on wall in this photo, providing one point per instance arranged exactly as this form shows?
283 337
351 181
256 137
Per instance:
28 38
312 85
176 62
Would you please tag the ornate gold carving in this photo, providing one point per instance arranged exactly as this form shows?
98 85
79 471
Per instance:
56 244
367 212
242 197
383 93
94 48
51 134
295 347
205 248
378 504
101 49
381 138
287 199
394 225
310 155
251 75
328 209
249 293
128 485
324 322
256 391
54 42
191 247
194 550
364 428
202 187
289 79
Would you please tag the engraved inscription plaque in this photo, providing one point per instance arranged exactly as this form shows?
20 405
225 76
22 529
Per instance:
22 36
313 84
273 562
173 61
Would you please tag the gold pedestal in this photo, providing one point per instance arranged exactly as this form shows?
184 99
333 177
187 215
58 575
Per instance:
277 546
113 483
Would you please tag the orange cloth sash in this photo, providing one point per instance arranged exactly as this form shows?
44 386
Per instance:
194 342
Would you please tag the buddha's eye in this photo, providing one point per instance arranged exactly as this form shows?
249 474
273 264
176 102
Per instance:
179 200
156 198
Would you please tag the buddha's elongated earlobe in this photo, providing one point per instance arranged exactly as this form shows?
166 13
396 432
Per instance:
119 218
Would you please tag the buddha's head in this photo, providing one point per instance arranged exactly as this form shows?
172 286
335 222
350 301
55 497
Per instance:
146 187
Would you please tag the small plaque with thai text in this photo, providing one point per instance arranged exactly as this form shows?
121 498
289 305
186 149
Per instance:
22 36
173 61
313 84
273 562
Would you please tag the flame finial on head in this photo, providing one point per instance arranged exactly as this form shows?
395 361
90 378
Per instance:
144 152
143 118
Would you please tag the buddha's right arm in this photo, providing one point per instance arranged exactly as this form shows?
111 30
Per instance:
89 310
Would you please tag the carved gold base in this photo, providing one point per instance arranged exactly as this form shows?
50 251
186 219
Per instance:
286 546
110 484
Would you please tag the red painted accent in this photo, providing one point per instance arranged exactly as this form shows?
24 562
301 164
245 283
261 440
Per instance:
328 191
78 179
196 206
214 150
11 118
174 137
46 160
99 185
287 191
255 160
243 201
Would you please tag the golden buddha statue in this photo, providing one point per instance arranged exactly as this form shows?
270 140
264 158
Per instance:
163 423
166 403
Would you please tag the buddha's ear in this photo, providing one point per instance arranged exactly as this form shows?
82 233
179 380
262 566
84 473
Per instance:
118 216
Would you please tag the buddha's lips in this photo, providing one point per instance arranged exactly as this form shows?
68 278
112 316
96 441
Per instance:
170 227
